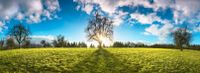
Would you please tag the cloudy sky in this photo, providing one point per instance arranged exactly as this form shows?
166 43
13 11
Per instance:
147 21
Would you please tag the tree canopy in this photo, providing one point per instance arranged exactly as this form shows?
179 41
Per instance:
20 33
99 28
182 38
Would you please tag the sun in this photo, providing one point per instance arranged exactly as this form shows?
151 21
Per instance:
107 42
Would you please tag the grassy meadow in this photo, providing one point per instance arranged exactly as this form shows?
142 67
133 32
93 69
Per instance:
109 60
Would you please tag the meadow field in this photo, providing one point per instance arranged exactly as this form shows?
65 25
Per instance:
108 60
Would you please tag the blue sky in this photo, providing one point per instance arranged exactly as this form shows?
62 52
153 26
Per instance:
147 21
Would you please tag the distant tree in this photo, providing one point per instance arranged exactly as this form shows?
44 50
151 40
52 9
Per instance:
20 33
99 28
73 44
27 44
129 44
48 44
182 38
60 41
82 44
1 43
162 46
34 45
92 46
77 44
139 44
10 43
118 44
43 43
195 46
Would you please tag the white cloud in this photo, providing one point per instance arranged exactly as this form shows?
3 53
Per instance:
162 4
35 6
160 31
108 6
197 28
52 5
32 11
37 38
20 16
88 8
145 19
117 21
181 8
47 37
8 8
34 18
188 7
183 11
118 18
2 26
111 7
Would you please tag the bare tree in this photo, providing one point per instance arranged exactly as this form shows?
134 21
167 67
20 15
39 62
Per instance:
20 33
182 38
99 28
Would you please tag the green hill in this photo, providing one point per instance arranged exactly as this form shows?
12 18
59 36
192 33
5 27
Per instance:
111 60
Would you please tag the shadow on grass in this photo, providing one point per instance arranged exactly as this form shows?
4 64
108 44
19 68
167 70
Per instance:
101 61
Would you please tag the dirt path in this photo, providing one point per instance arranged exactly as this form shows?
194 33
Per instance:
101 61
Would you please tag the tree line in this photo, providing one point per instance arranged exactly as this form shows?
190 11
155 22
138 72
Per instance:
99 28
59 42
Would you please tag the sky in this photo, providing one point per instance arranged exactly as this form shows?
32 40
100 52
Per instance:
146 21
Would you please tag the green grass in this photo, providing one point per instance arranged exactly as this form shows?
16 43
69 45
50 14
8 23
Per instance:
111 60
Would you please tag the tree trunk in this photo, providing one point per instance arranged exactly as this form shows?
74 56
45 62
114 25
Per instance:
19 45
100 45
181 49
